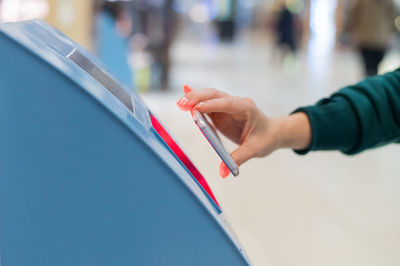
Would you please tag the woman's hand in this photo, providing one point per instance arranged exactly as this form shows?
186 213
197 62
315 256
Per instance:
240 120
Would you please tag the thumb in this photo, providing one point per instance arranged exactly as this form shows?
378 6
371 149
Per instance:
241 155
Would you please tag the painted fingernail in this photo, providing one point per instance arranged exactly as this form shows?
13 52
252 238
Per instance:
185 101
186 88
223 170
184 107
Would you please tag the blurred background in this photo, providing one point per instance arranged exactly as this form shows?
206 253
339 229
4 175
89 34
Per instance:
321 209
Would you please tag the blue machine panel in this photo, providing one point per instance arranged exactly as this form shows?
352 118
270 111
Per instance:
84 178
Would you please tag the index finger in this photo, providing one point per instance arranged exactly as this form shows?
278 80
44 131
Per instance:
196 96
230 105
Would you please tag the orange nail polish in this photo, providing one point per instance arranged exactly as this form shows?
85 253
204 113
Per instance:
184 108
223 170
185 101
186 89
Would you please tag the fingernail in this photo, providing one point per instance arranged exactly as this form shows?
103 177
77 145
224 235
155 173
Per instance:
184 107
179 102
223 170
185 101
186 88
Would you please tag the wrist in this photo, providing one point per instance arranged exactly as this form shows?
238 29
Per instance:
295 131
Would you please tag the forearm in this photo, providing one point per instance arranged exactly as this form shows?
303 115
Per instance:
358 117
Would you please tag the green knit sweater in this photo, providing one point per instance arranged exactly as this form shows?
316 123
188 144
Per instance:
358 117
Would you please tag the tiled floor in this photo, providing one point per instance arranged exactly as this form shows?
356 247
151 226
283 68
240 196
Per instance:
321 209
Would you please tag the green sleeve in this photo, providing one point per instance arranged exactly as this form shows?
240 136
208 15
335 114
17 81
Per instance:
358 117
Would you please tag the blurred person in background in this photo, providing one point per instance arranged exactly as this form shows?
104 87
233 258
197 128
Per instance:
158 23
162 47
371 25
286 27
356 118
226 19
112 31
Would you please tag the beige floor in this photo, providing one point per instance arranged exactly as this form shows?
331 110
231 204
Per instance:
321 209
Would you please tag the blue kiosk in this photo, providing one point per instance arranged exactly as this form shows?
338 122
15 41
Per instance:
88 176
